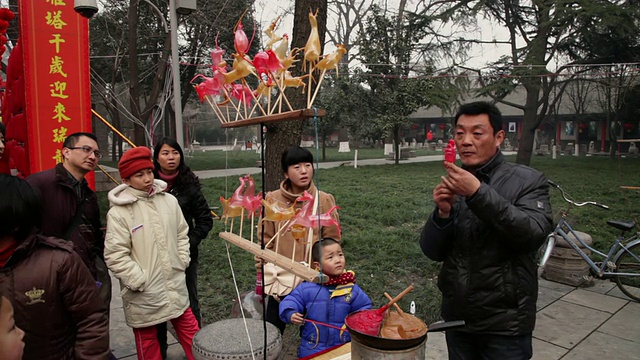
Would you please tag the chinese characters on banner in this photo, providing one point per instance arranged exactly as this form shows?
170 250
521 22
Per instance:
55 42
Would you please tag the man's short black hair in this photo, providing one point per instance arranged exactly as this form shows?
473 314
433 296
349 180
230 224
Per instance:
295 155
20 208
316 250
481 107
3 129
72 139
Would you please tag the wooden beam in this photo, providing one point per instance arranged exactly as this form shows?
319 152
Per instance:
283 116
284 262
630 187
628 140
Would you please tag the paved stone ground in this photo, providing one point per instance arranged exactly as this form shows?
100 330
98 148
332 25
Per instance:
592 323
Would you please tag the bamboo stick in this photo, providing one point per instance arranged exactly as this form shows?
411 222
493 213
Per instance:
272 257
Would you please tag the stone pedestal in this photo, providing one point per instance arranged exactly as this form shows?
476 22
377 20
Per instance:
544 149
227 339
565 265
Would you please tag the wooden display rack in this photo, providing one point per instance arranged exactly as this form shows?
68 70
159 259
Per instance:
298 269
283 116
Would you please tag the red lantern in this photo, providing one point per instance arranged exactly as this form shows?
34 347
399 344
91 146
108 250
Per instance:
442 126
582 126
627 126
415 127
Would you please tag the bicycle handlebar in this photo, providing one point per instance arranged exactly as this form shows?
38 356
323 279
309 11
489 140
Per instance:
568 199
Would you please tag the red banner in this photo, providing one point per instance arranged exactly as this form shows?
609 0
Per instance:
55 41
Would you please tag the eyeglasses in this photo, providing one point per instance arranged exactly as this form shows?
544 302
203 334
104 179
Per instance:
87 150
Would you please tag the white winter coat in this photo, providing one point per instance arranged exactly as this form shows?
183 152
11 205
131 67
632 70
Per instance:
147 249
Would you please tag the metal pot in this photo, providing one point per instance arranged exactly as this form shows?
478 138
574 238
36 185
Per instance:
381 343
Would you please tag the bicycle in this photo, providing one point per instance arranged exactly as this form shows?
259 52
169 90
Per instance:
621 264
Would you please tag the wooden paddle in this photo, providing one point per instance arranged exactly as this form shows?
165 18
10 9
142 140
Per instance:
369 321
400 311
394 300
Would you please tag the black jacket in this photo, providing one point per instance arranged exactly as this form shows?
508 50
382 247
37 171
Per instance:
488 276
60 202
186 188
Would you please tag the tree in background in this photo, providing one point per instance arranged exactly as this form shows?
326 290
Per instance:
347 104
138 33
399 84
609 46
280 136
540 31
614 82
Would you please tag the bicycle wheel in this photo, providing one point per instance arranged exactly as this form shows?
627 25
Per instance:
544 252
629 262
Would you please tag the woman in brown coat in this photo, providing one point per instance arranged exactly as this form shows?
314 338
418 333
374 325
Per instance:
297 167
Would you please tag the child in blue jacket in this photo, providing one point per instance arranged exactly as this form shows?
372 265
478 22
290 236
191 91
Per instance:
327 303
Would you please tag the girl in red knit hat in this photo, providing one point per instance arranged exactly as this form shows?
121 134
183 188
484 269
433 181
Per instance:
147 249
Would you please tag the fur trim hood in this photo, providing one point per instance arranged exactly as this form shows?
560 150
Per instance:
124 194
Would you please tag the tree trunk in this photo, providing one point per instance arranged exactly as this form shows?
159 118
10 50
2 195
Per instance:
282 135
343 140
190 71
112 109
396 143
140 137
324 147
529 125
134 97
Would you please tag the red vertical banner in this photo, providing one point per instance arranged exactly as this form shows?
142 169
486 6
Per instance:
55 41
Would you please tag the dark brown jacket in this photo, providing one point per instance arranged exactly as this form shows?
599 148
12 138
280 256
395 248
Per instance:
55 302
60 202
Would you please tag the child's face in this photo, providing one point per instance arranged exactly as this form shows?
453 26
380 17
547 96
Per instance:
11 344
300 176
333 261
142 180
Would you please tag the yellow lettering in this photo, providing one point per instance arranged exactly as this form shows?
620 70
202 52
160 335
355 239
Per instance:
59 113
59 134
55 19
57 40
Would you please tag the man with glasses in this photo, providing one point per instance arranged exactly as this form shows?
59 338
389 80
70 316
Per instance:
70 207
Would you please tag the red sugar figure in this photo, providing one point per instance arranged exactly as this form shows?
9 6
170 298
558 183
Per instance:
450 152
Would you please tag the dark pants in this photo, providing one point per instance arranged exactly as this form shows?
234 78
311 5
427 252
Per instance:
192 287
273 314
466 346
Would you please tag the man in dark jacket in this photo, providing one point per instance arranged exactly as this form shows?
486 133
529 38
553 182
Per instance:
71 209
54 296
490 218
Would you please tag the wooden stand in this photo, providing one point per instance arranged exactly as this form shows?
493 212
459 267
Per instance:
270 256
283 116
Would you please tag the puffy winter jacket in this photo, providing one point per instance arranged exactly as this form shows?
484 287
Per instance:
488 276
55 301
147 249
317 303
195 209
59 202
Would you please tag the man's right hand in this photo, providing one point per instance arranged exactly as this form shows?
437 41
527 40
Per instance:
443 197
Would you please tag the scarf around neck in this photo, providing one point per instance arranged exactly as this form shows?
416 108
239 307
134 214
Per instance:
342 279
169 179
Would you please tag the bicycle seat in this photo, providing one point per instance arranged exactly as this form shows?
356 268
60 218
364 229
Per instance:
622 225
